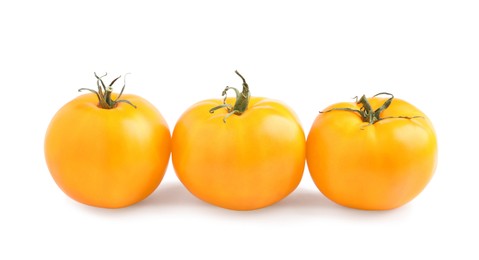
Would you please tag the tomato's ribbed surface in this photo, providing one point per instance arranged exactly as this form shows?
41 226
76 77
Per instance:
107 157
376 167
251 161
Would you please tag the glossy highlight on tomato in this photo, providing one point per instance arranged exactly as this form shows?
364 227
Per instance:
243 156
107 152
375 154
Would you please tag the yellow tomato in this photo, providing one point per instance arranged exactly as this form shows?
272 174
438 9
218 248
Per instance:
240 157
373 154
107 157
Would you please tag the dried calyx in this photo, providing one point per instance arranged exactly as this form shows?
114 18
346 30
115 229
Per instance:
104 92
241 103
367 113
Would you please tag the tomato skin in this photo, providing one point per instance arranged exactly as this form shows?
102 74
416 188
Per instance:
251 161
108 158
377 167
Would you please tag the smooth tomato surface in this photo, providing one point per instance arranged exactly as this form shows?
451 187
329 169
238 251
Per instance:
107 157
251 161
378 166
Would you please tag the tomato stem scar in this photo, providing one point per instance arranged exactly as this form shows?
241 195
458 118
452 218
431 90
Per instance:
103 94
241 103
367 113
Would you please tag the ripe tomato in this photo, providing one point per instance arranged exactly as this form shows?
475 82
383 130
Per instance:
373 154
240 157
107 157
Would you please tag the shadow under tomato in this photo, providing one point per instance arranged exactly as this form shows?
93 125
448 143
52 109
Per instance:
166 197
310 203
302 203
176 195
305 199
170 195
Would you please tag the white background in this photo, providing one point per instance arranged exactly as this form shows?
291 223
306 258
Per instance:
308 54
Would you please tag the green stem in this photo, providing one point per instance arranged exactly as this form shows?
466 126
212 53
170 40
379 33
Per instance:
103 94
367 113
241 103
